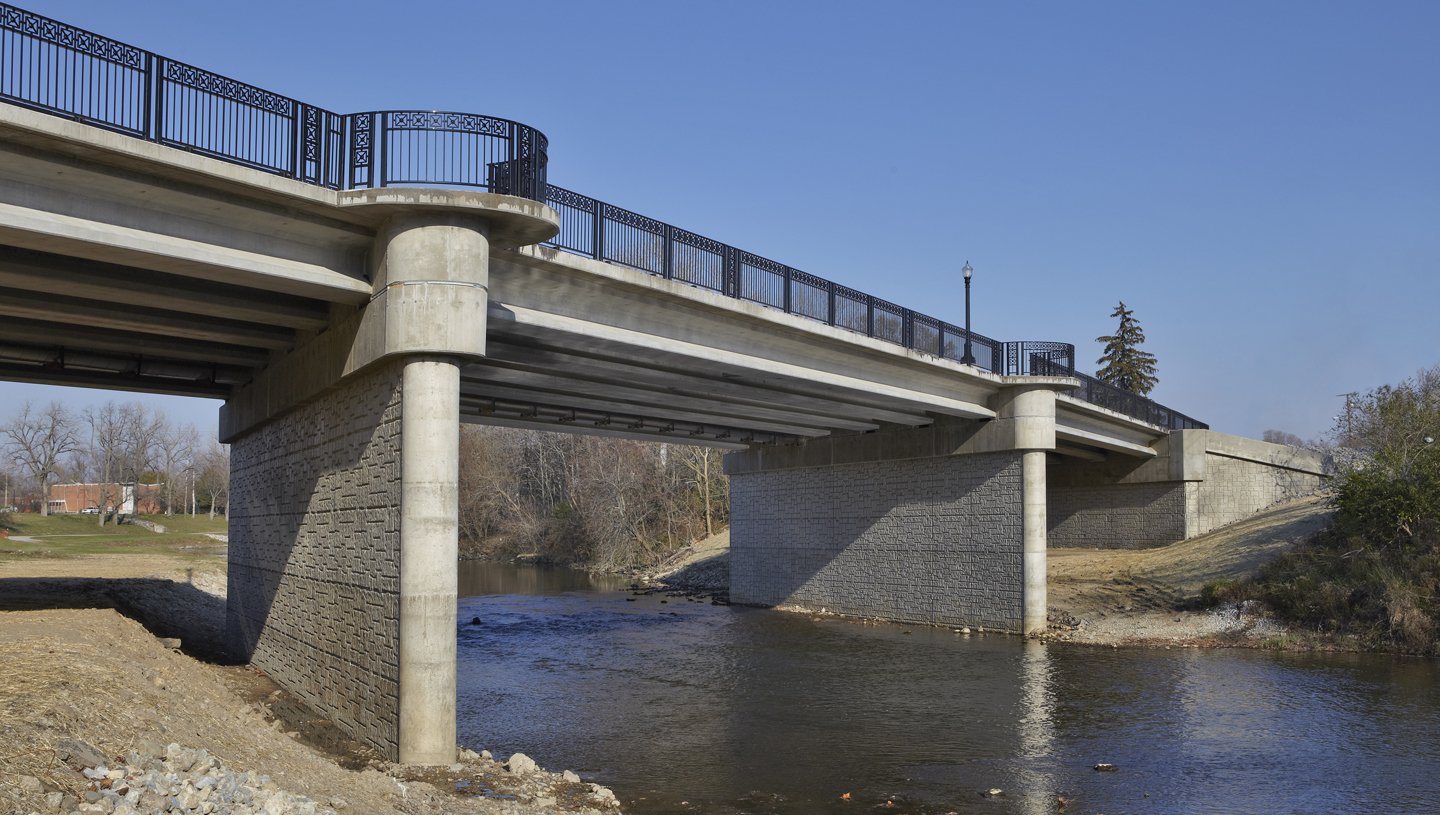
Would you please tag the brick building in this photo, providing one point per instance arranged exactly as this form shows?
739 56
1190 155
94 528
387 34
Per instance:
142 499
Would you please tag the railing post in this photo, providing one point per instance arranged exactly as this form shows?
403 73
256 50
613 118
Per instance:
159 115
512 142
668 248
598 222
297 138
869 315
732 272
379 155
787 290
146 106
831 287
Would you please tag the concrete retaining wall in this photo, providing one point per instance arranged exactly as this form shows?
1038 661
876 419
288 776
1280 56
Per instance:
1235 489
314 579
935 540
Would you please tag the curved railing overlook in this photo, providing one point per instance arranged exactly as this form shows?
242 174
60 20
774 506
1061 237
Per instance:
56 68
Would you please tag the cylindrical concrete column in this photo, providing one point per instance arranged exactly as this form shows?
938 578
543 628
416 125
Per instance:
1033 523
429 550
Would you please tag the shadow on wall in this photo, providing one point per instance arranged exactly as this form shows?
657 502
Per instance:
935 540
165 608
314 575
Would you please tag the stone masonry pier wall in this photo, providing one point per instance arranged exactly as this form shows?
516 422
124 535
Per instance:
932 540
1116 516
314 577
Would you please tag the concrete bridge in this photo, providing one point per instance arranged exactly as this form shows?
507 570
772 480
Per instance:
353 305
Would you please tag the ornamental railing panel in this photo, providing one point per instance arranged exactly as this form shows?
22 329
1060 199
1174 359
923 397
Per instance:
68 71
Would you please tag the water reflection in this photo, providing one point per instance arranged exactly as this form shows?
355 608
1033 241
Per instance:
739 710
481 578
1036 729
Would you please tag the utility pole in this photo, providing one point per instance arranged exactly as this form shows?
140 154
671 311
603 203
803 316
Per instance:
1349 416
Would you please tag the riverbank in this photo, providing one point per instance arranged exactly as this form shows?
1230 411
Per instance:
124 655
1149 597
1153 596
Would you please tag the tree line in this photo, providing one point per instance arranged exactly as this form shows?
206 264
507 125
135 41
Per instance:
607 504
113 445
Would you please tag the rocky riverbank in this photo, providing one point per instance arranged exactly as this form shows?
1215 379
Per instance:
700 569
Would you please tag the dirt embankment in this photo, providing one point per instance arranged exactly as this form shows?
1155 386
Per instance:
76 664
702 568
1150 596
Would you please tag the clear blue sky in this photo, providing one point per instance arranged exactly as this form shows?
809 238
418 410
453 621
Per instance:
1258 181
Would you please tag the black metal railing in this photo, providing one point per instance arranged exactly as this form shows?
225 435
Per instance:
606 232
1108 396
66 71
59 69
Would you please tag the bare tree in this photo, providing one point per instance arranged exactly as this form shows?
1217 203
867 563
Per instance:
144 427
106 448
708 477
1282 437
176 447
37 439
213 464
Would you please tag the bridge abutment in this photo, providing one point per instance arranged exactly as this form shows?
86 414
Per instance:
1198 481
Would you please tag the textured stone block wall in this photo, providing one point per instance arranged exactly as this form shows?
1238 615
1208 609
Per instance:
1116 516
1235 489
314 580
1146 515
933 540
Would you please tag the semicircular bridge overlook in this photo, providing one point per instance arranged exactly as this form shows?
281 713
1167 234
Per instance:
355 287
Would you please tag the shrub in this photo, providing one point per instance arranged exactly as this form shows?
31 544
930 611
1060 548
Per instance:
1375 573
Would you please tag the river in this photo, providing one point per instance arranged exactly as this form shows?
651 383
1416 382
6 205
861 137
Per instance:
687 707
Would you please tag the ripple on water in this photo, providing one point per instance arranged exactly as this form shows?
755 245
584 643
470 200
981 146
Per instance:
744 710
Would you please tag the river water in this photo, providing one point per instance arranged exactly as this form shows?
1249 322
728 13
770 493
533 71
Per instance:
687 707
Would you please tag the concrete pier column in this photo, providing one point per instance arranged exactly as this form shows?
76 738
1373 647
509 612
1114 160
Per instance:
1030 410
431 270
1035 567
429 548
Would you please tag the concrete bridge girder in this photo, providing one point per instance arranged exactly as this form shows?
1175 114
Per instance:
718 385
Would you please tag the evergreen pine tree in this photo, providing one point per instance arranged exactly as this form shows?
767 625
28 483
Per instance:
1126 366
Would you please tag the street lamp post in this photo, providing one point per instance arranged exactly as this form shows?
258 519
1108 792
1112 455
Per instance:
968 358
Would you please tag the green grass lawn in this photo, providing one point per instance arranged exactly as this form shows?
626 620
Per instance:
62 536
